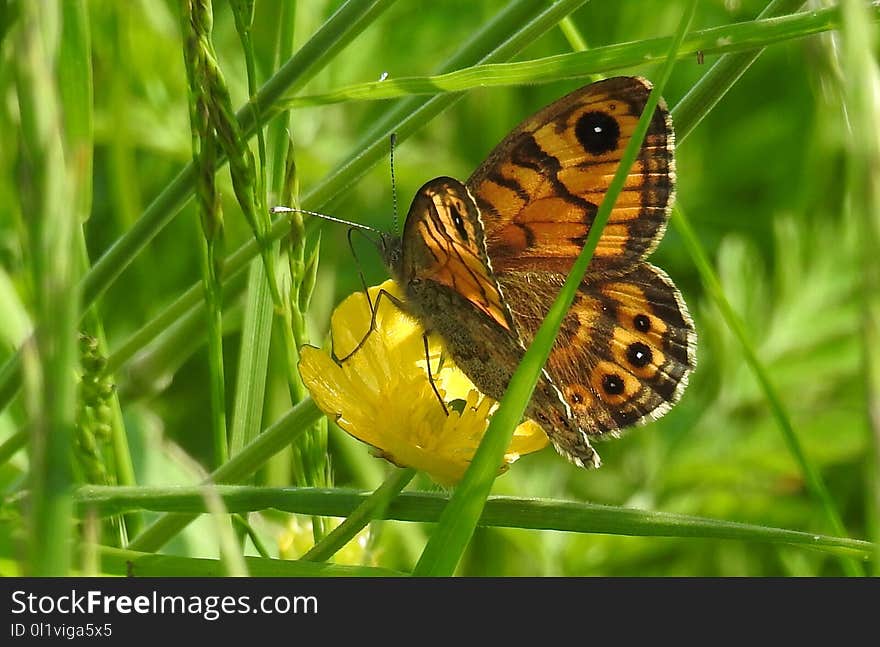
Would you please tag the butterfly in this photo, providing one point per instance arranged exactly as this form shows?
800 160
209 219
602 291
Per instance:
481 262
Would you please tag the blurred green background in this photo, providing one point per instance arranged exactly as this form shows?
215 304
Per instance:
763 180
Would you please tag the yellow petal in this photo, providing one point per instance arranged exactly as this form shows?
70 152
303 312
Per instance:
382 395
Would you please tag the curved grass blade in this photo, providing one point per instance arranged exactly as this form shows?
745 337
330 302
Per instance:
739 37
499 511
275 438
51 355
130 563
372 507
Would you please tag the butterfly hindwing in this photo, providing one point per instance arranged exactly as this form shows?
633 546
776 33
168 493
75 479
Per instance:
625 349
541 187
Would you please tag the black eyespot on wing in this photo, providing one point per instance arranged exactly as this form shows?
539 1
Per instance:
613 384
642 323
458 221
638 354
598 132
625 417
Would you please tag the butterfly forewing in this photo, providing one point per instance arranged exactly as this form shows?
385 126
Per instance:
443 242
541 187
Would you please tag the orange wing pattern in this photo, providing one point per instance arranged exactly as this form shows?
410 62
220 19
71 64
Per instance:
443 242
625 349
541 187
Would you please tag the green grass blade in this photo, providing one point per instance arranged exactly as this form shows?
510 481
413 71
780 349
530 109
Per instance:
75 86
339 30
739 37
573 35
250 385
456 526
129 563
275 438
861 85
52 357
372 507
499 511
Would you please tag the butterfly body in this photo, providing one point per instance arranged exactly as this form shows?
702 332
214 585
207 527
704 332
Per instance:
481 263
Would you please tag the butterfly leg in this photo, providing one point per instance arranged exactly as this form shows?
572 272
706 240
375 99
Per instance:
358 264
374 311
430 376
374 308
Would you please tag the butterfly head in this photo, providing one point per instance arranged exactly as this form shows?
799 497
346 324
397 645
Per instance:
391 248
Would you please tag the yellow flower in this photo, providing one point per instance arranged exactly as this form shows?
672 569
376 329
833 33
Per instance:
381 395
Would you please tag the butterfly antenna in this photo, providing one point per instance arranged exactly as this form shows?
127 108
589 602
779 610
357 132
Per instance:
324 216
394 185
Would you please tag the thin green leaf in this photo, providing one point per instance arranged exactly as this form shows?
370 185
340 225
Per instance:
861 85
253 360
739 37
51 357
427 507
242 465
129 563
373 507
